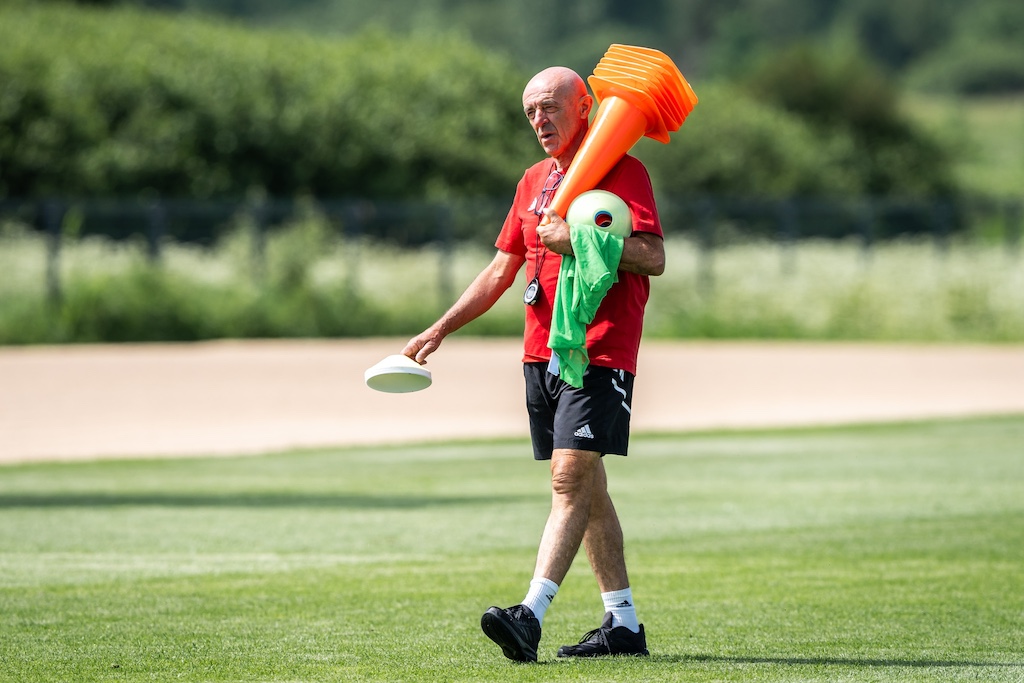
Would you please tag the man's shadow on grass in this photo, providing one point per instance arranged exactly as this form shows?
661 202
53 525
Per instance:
833 661
268 499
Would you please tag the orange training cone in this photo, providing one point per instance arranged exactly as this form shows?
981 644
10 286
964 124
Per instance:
640 92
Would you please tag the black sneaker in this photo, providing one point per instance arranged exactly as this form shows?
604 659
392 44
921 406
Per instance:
515 629
608 641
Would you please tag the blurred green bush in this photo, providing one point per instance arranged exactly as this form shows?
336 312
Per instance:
805 122
121 102
972 69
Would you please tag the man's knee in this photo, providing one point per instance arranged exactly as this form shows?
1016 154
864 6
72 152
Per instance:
573 472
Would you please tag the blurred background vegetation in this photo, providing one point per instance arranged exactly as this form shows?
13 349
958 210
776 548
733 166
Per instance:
416 103
420 98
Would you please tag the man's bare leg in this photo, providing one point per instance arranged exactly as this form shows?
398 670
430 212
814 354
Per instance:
573 476
581 512
517 629
603 538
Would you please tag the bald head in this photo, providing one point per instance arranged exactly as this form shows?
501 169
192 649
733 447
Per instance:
558 106
558 79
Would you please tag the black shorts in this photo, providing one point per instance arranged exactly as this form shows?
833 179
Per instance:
594 418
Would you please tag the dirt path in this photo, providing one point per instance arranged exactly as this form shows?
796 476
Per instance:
247 397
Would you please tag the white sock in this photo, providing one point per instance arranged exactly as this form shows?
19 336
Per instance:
620 604
539 597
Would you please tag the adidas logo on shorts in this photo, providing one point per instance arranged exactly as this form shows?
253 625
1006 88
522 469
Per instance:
584 432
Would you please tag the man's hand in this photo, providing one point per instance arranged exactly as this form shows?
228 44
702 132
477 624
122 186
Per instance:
554 234
423 344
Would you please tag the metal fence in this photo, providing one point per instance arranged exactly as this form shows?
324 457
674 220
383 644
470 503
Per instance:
711 222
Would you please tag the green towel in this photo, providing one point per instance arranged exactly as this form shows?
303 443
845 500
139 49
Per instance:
583 280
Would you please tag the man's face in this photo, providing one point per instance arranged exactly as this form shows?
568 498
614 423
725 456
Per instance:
556 116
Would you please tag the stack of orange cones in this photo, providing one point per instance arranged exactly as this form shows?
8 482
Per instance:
640 93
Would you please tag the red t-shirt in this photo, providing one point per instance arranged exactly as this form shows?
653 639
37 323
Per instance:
613 338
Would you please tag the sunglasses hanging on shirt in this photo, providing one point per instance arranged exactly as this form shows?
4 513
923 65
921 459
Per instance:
532 294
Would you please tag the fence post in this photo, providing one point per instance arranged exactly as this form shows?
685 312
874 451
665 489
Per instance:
867 229
941 221
445 286
1012 220
156 228
706 246
789 230
258 226
53 216
357 213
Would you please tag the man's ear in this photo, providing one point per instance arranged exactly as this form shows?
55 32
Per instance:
586 104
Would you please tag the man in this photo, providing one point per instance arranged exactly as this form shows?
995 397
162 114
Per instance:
573 428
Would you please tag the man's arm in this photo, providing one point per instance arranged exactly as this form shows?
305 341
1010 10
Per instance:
643 253
478 298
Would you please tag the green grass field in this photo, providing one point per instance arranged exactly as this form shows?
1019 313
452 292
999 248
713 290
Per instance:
871 553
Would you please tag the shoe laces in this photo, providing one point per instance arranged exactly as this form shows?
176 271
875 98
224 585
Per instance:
598 634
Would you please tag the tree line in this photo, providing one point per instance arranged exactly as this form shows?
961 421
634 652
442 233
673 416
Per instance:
126 102
939 45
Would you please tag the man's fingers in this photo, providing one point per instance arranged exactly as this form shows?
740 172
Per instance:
418 350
